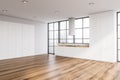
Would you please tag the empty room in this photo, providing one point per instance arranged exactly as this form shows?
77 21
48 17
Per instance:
59 39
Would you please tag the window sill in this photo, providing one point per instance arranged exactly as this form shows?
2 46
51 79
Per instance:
86 45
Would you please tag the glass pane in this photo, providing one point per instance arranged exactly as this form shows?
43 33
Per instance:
51 26
63 25
63 34
86 33
56 26
56 34
119 32
50 34
70 41
118 18
68 36
78 23
51 42
78 33
78 40
51 50
118 26
118 43
86 22
56 42
67 24
119 55
63 41
86 41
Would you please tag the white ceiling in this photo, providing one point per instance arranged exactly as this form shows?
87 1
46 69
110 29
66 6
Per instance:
54 10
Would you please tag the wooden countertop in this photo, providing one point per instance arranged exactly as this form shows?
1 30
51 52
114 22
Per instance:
73 45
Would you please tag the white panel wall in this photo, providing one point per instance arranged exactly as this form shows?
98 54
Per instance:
102 40
41 38
28 40
16 40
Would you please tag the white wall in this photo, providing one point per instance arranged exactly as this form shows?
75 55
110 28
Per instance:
18 36
102 40
41 38
16 40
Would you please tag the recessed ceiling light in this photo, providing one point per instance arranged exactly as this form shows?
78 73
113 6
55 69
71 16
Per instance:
91 3
24 1
4 11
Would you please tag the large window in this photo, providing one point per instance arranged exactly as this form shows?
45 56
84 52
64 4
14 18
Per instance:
81 32
59 33
52 36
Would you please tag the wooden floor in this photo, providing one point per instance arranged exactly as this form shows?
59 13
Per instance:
49 67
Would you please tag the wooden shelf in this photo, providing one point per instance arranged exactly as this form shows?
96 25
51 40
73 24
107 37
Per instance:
73 45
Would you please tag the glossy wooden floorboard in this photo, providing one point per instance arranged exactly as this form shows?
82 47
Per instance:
50 67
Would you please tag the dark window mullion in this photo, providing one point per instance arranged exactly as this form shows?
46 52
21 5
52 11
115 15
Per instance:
73 39
59 32
82 31
53 38
48 36
117 39
66 31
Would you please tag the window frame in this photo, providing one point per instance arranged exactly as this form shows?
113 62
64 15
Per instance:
74 39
